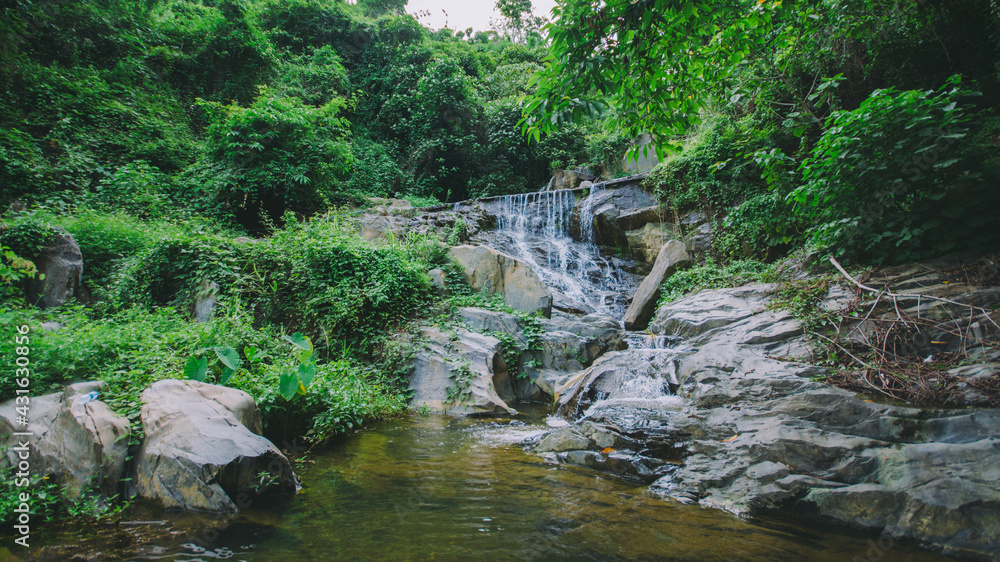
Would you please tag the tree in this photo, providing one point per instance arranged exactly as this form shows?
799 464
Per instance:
656 62
519 22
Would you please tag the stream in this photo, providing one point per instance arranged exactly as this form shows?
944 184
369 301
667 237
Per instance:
435 488
439 488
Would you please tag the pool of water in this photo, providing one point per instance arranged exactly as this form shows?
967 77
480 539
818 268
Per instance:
434 488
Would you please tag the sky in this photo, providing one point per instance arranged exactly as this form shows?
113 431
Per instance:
463 14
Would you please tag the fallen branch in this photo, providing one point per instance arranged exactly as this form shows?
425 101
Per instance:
864 287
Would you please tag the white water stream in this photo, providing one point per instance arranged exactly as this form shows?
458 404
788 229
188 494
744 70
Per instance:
536 228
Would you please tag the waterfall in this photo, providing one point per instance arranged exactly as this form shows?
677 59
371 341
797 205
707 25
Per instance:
535 228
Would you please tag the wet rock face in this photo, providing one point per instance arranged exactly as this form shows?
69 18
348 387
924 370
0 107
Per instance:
76 439
61 264
204 452
758 433
460 373
488 270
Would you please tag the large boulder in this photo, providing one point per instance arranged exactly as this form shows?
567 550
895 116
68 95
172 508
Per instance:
488 270
459 372
646 242
608 206
60 268
748 433
204 449
75 439
671 256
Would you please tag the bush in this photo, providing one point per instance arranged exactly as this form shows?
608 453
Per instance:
323 277
277 155
892 180
712 276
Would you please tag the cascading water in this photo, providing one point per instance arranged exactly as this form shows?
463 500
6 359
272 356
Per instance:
535 228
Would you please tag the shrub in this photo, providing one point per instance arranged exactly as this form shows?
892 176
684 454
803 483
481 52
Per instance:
278 154
712 276
892 180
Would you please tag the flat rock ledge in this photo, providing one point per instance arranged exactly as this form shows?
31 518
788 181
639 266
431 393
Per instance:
748 433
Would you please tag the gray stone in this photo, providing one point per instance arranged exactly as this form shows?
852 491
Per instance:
564 439
60 269
489 321
632 219
203 449
759 434
76 440
438 281
204 303
671 256
460 373
488 270
644 158
645 242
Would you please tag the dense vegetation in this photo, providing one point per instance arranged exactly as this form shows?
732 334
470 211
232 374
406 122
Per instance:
210 148
866 128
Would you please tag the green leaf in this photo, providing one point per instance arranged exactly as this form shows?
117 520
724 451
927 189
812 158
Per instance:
229 356
226 375
251 353
306 373
300 341
288 384
196 368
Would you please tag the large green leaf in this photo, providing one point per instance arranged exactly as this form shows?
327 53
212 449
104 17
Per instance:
288 384
226 375
229 356
196 368
306 373
300 341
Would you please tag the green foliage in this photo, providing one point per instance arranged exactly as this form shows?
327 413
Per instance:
890 180
459 232
277 155
709 173
172 270
29 235
712 276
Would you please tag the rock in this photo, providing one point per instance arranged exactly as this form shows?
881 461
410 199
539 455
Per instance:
489 321
460 373
653 372
700 241
645 242
671 256
61 263
564 439
632 219
204 450
488 270
586 184
438 281
204 303
76 439
565 304
607 206
748 433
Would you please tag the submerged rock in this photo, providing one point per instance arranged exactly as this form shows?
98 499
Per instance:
460 373
204 450
76 439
